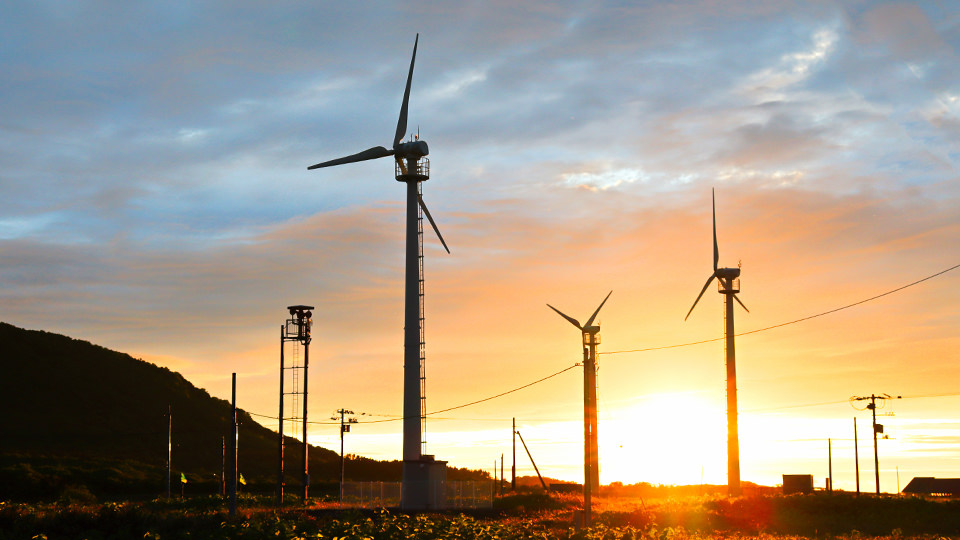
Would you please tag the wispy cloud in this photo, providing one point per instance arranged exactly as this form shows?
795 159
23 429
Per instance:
156 198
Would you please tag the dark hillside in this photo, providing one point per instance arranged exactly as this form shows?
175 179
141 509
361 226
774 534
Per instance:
78 413
70 400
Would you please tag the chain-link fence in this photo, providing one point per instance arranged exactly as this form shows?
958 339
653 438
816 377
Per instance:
459 495
470 494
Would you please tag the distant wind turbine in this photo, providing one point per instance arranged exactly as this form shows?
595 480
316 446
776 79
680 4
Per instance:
591 455
729 284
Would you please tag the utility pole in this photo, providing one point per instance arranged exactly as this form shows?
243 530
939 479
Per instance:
223 466
830 465
169 445
344 428
542 483
233 453
513 468
280 479
877 428
856 454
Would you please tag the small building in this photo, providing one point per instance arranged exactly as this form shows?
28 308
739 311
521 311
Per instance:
933 487
797 483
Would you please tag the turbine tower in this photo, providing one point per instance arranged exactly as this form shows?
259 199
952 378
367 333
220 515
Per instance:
591 455
728 280
422 475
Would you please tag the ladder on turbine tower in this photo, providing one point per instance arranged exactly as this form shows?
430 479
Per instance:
423 345
294 368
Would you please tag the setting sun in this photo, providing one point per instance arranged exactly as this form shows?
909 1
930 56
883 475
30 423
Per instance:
675 438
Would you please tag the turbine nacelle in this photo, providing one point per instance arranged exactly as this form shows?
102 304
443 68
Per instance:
727 273
411 150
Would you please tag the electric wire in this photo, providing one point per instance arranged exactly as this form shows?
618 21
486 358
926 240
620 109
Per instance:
881 295
821 314
394 419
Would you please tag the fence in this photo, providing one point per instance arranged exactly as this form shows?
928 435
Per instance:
459 495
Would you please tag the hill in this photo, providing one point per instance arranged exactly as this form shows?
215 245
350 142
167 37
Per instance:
77 414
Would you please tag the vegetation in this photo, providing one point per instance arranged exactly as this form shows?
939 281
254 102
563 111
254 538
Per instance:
531 515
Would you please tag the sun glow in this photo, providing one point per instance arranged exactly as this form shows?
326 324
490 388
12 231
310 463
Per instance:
675 438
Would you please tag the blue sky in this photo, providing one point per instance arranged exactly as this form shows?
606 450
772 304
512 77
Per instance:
156 199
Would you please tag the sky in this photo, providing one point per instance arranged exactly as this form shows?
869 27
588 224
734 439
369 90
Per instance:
156 201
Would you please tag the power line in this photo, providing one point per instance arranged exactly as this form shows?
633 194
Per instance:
796 406
507 392
395 419
881 295
766 409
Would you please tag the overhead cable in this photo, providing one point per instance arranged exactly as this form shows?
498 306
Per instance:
881 295
538 381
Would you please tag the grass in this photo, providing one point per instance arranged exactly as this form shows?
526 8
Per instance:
528 515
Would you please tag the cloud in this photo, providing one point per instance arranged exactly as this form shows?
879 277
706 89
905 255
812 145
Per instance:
156 198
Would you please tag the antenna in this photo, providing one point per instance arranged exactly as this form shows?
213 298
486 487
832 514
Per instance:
729 285
422 474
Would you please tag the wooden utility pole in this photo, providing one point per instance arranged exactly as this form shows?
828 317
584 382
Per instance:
223 466
877 428
513 468
829 465
529 455
233 452
280 479
169 445
856 454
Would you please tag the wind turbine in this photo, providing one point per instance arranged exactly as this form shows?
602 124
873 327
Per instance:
591 456
729 284
412 168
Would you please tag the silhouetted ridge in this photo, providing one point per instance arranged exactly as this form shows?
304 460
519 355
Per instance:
70 406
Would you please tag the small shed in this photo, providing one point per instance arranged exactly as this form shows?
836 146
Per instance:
797 483
933 487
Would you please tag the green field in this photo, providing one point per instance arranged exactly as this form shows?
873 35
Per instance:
518 516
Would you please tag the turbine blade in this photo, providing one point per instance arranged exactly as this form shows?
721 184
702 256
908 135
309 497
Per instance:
594 316
703 290
741 303
426 212
370 153
402 122
716 250
567 317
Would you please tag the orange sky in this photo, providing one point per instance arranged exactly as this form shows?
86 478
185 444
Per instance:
157 202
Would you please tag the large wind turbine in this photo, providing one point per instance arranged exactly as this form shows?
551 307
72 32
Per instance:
420 472
729 284
591 455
